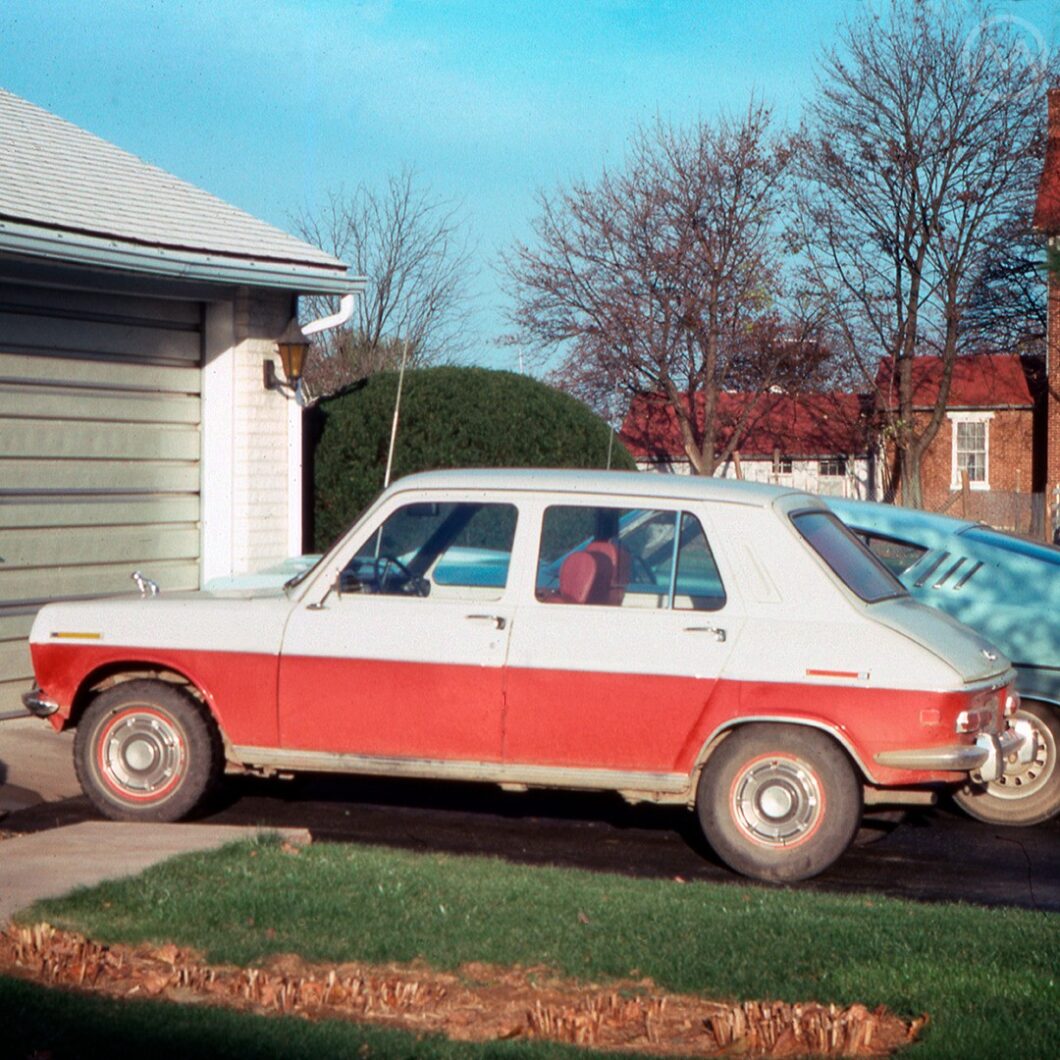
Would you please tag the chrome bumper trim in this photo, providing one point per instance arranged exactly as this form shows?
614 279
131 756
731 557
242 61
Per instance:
960 759
986 757
37 705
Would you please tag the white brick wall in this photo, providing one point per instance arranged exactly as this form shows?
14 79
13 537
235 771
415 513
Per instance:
261 451
804 475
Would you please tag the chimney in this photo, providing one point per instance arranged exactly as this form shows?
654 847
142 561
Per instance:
1047 211
1047 221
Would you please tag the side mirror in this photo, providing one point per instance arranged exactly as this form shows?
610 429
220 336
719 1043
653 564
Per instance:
348 582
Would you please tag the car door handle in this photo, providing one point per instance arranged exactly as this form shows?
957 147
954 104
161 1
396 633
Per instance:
499 621
719 633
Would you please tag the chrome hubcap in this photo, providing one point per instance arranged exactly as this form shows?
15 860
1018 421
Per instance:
142 754
777 801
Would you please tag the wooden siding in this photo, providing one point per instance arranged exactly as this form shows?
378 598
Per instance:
100 410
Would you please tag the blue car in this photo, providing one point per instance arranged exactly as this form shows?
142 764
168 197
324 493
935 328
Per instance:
1007 589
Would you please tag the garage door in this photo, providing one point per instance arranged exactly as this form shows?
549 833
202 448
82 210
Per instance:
99 452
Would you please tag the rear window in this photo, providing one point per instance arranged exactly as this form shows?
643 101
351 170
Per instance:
897 556
859 570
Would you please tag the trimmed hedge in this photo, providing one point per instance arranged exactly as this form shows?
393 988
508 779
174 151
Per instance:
450 417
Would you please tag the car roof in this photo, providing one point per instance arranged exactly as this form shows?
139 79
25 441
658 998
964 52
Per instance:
925 528
603 483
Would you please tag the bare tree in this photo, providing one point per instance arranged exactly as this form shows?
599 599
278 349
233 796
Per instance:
415 254
919 151
663 276
1007 307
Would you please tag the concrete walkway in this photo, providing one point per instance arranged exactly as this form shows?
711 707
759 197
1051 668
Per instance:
36 765
53 863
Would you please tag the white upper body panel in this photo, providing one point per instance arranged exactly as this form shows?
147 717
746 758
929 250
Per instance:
786 615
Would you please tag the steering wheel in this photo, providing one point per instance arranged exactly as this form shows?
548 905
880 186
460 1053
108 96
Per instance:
640 573
387 571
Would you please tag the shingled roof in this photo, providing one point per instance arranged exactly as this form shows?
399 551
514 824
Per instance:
979 381
68 195
1047 210
805 425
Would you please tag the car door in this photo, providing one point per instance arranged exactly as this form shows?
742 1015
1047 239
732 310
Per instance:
403 657
616 670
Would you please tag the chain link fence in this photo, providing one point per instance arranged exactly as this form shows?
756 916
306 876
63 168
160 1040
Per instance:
1028 514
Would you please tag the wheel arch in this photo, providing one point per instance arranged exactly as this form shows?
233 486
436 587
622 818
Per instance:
112 673
1040 698
725 730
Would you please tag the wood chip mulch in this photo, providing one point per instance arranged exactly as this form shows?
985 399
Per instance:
477 1003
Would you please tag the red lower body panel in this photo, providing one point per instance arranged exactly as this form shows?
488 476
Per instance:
575 719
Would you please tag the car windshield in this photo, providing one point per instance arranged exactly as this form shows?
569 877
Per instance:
859 570
302 574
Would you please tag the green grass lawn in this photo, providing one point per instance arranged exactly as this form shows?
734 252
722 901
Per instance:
989 979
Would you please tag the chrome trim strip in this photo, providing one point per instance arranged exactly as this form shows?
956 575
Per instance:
967 576
439 769
962 758
949 574
919 583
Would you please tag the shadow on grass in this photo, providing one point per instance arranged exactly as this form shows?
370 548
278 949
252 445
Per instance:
63 1025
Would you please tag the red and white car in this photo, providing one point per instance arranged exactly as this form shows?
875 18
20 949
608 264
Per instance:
723 645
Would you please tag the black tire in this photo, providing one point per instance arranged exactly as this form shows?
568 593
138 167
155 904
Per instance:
146 751
1030 795
779 802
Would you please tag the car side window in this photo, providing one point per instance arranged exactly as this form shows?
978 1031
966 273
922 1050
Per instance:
452 550
627 557
897 556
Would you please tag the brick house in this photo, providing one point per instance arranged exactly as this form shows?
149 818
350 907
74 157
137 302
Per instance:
136 313
816 442
988 430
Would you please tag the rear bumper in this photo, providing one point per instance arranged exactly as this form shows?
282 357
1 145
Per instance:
987 757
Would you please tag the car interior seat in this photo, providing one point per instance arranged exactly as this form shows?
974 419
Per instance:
620 561
585 578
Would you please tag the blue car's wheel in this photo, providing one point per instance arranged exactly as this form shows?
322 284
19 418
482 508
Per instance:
1030 794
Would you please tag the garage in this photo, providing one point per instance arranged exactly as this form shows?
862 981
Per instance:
141 425
100 409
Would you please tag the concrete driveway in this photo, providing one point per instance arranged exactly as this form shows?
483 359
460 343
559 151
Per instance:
36 764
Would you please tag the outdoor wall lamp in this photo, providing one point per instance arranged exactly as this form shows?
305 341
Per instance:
291 346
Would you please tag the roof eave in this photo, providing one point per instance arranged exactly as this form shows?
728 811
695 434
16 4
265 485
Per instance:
182 264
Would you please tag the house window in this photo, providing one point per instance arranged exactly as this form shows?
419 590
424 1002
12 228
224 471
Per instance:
782 465
831 466
971 449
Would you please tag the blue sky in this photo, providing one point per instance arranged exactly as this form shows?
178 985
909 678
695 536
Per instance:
270 104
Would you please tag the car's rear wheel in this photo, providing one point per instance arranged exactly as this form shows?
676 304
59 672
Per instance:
779 802
1031 794
146 751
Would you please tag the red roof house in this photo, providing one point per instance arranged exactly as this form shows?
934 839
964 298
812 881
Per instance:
979 381
795 439
988 431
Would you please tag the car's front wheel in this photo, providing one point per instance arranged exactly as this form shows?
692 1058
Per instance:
779 802
146 751
1031 794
